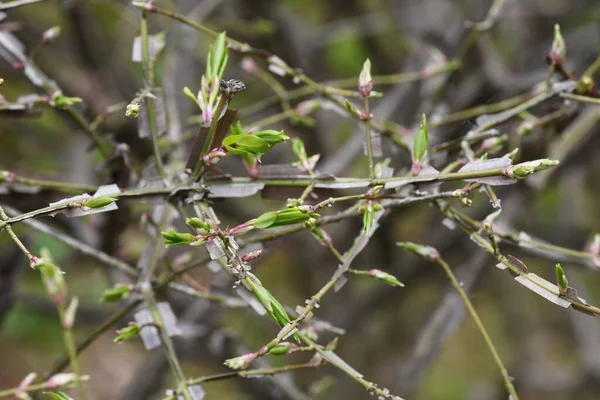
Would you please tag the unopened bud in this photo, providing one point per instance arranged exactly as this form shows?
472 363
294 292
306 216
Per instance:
251 256
98 202
427 252
524 169
133 109
384 277
50 34
365 81
241 362
558 51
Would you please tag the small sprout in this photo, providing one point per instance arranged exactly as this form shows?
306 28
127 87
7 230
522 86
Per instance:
59 100
4 176
420 145
384 277
129 332
332 345
176 238
50 34
98 202
298 149
118 292
241 362
586 85
466 201
368 214
525 128
353 110
202 227
365 81
427 252
558 52
561 280
133 110
522 170
188 92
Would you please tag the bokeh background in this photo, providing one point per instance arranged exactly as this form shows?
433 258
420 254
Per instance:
416 341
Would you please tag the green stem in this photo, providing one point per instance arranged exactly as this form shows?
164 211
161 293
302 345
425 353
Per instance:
210 136
17 3
71 350
148 64
62 362
592 69
370 387
368 137
32 388
170 353
465 298
583 99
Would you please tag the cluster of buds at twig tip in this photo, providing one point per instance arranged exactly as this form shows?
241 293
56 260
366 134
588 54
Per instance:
365 81
427 252
211 85
133 109
522 170
561 280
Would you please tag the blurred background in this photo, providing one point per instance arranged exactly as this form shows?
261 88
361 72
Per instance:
416 341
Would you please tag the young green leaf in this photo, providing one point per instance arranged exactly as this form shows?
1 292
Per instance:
188 92
421 142
176 238
561 279
217 58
